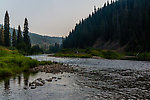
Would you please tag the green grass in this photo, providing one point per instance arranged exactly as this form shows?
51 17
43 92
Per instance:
144 56
11 62
88 53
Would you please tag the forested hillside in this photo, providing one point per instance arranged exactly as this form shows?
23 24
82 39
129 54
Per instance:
44 40
122 22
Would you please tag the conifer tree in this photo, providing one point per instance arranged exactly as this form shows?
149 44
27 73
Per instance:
26 36
19 35
1 36
14 38
6 30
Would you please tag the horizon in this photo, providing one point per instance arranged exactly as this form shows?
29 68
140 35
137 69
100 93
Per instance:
56 18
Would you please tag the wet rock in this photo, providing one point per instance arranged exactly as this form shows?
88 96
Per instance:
49 80
39 79
42 81
37 82
59 78
33 87
54 77
25 88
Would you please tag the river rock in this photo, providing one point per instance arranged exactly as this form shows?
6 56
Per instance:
49 80
59 78
54 77
39 79
25 88
37 82
33 86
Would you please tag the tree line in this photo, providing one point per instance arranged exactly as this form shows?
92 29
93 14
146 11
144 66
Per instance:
17 39
123 21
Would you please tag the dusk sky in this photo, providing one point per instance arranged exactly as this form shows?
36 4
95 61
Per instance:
48 17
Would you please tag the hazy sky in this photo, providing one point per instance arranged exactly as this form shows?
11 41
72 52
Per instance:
48 17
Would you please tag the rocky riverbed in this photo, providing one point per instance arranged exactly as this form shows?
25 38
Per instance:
54 69
117 84
109 83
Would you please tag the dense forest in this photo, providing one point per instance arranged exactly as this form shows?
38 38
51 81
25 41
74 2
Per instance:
125 22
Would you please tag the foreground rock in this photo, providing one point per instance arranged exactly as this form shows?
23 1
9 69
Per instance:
40 82
37 82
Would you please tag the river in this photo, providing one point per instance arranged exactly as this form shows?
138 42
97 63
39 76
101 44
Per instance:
99 79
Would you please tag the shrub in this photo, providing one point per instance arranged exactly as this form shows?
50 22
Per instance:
45 63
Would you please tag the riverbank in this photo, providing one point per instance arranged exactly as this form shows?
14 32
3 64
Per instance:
102 54
12 62
90 53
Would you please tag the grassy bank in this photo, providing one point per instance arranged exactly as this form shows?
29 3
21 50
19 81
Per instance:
107 54
12 62
89 53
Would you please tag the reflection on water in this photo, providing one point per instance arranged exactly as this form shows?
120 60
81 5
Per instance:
19 79
18 88
7 84
26 79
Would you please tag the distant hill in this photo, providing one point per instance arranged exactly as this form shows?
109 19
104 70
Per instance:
43 41
120 25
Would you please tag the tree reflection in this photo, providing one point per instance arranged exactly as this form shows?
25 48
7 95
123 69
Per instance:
26 79
19 80
7 84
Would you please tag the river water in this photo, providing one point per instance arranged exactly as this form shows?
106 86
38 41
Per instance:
99 79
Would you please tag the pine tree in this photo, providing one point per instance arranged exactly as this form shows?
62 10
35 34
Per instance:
26 36
14 38
19 35
1 36
6 30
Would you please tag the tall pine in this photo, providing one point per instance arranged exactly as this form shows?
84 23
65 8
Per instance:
6 30
19 37
1 36
26 35
14 38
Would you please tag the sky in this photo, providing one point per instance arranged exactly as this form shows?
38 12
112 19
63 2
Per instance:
48 17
